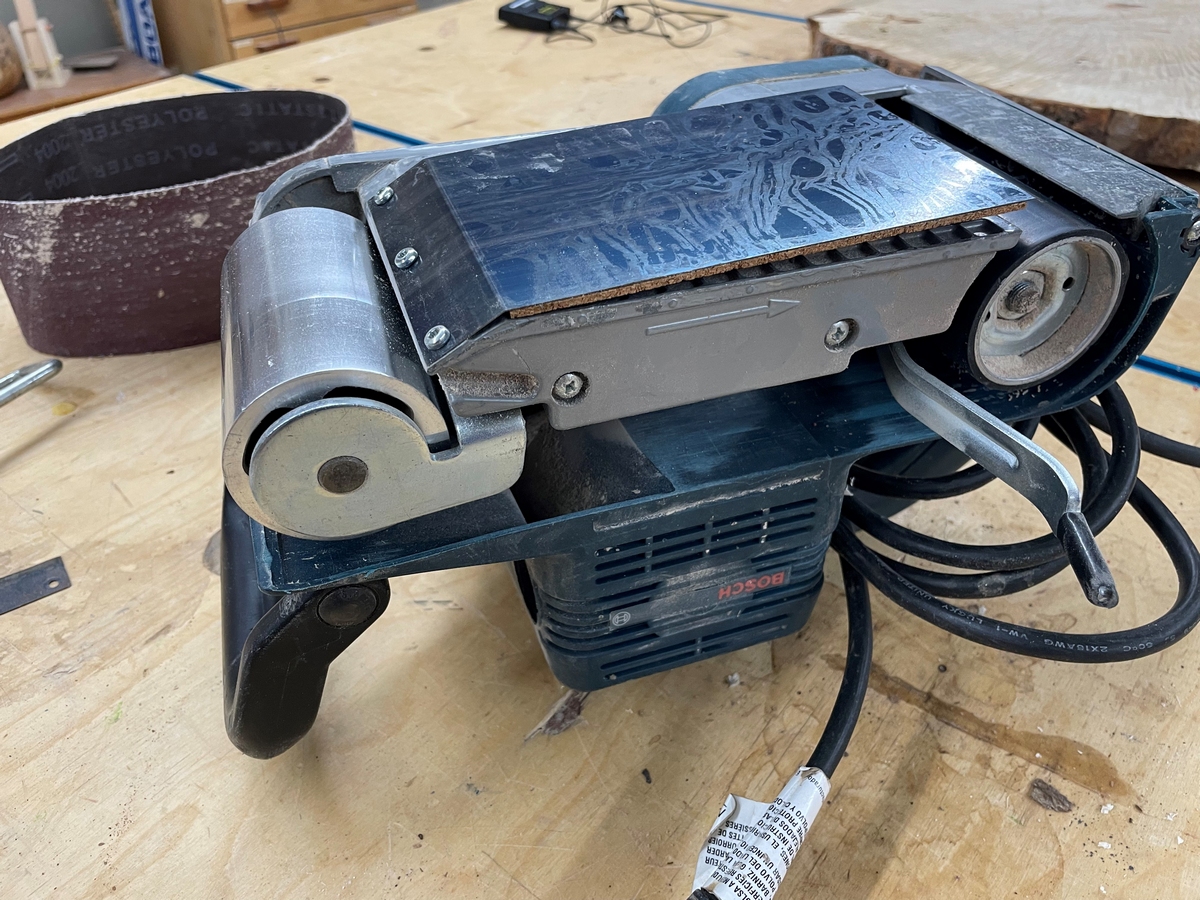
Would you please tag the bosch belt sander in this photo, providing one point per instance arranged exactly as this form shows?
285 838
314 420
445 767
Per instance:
643 362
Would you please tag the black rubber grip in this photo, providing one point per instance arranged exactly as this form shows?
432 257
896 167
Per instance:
278 647
1084 554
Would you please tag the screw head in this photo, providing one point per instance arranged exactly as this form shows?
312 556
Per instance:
342 474
1192 235
347 606
407 258
839 334
384 196
437 336
569 386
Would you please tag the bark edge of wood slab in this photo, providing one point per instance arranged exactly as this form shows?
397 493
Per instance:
122 217
1164 141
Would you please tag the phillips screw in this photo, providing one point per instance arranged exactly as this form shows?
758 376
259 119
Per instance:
569 386
839 334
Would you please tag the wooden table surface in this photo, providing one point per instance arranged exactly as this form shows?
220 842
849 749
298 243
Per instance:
417 779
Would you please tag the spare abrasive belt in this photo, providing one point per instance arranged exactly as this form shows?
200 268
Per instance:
114 224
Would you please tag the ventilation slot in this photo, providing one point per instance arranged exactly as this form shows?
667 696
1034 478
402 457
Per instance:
683 547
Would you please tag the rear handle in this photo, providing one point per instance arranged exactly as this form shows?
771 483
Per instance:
278 647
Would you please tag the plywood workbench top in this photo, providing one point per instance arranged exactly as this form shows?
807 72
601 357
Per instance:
116 778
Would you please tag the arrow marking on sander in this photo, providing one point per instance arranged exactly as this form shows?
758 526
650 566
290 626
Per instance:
772 307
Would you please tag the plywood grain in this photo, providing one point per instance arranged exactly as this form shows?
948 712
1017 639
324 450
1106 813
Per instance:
457 72
417 779
273 41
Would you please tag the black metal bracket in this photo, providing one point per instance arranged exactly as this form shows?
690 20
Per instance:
278 647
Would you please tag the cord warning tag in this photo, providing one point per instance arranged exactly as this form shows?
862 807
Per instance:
751 844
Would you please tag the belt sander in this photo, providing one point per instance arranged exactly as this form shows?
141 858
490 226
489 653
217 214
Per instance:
658 366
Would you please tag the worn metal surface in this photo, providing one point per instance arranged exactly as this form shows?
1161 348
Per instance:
1047 313
1116 185
1010 456
566 219
32 584
403 478
304 316
739 331
1000 449
317 367
117 221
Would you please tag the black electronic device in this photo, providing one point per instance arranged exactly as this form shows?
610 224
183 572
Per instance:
534 15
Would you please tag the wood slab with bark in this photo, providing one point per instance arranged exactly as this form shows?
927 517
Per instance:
1125 74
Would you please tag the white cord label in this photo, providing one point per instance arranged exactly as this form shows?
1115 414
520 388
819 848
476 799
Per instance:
751 844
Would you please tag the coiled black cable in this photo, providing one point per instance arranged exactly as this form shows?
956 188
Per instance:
1110 480
1152 443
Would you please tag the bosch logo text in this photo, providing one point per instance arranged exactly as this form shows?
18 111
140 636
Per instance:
757 583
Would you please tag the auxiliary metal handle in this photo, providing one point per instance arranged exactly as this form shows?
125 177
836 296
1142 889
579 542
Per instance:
1011 457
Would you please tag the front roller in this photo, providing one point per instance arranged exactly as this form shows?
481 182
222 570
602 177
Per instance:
278 647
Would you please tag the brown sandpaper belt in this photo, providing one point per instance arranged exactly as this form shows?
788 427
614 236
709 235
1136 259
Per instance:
114 224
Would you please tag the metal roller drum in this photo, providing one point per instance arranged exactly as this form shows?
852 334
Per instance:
1043 310
1052 297
332 427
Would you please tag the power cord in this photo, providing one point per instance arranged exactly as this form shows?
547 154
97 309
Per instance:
836 737
677 27
1109 482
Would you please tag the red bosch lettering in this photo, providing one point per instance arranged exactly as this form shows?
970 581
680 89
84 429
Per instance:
751 585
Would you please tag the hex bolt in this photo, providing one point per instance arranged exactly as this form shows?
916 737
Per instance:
1191 237
342 474
569 386
437 336
407 258
839 334
1020 300
384 196
347 606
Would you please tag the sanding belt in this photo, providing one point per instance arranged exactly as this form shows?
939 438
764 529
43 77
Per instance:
114 224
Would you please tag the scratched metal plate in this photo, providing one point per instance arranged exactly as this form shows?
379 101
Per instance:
602 212
34 583
1121 188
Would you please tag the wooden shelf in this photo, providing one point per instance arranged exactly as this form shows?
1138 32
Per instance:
130 71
